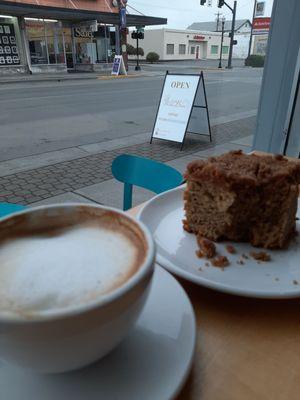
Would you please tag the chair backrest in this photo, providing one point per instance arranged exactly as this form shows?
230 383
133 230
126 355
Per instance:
9 208
152 175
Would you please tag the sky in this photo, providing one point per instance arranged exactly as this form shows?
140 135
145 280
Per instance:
182 13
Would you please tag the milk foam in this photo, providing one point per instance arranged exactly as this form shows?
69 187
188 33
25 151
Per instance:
75 267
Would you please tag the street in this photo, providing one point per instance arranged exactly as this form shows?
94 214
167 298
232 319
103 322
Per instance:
40 117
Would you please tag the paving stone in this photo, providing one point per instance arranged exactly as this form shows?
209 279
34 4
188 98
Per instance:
76 174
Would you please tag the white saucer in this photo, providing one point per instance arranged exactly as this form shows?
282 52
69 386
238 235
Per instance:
152 363
176 251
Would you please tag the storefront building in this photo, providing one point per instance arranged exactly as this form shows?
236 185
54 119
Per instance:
174 44
60 36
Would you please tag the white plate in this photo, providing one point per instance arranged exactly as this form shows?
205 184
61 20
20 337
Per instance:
151 363
176 251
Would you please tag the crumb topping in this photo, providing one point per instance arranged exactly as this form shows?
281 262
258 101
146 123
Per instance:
260 256
207 247
220 261
230 249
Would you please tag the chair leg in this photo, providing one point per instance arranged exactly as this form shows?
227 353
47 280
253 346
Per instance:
127 201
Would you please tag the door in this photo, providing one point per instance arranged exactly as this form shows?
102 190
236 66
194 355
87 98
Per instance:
69 48
197 52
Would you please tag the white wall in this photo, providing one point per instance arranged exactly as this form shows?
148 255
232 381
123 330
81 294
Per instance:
153 41
240 50
157 40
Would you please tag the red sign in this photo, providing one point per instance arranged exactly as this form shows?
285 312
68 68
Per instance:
199 37
261 24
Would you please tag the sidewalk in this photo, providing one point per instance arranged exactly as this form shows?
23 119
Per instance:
83 173
74 76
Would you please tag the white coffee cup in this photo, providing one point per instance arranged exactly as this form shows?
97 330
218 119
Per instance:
67 338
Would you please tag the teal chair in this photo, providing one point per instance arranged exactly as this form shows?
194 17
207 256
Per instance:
9 208
143 172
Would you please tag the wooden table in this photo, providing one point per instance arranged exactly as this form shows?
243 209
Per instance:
247 349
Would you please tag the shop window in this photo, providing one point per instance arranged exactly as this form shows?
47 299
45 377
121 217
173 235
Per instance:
37 42
54 38
192 50
214 49
182 49
225 49
170 48
45 41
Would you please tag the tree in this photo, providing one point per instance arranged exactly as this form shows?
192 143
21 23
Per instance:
131 50
152 57
140 51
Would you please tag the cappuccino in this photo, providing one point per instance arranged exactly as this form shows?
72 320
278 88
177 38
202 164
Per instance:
51 262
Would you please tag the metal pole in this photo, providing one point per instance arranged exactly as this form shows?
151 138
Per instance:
232 36
137 67
222 37
251 33
117 38
106 47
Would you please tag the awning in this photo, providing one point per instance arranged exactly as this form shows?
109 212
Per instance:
74 15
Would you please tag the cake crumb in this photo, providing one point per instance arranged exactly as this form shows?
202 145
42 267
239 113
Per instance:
186 226
240 262
200 269
207 247
220 261
276 279
245 256
206 264
295 282
260 256
199 254
230 249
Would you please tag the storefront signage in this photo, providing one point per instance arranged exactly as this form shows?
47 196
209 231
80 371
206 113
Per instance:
123 18
199 37
88 25
260 8
8 46
118 67
81 33
177 105
261 25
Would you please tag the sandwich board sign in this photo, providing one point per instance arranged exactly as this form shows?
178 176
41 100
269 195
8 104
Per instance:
118 67
182 108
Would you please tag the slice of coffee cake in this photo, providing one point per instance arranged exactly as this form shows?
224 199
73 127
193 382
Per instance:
242 198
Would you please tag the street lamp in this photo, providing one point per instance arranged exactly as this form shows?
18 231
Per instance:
222 38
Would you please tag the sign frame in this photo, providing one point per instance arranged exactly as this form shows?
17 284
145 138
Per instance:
120 66
201 80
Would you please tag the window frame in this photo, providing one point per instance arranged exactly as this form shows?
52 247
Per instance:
173 46
180 46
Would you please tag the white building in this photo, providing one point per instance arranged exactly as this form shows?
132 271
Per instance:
176 44
241 34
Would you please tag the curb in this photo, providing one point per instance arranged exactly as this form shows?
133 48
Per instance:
61 79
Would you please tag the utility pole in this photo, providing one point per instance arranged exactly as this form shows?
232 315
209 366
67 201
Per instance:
137 67
232 36
221 3
251 33
218 14
222 38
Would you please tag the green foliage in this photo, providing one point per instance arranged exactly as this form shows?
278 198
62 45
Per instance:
152 57
131 50
141 51
255 60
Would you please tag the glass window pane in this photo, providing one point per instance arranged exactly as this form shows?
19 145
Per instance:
182 49
170 48
225 49
37 43
55 43
214 49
